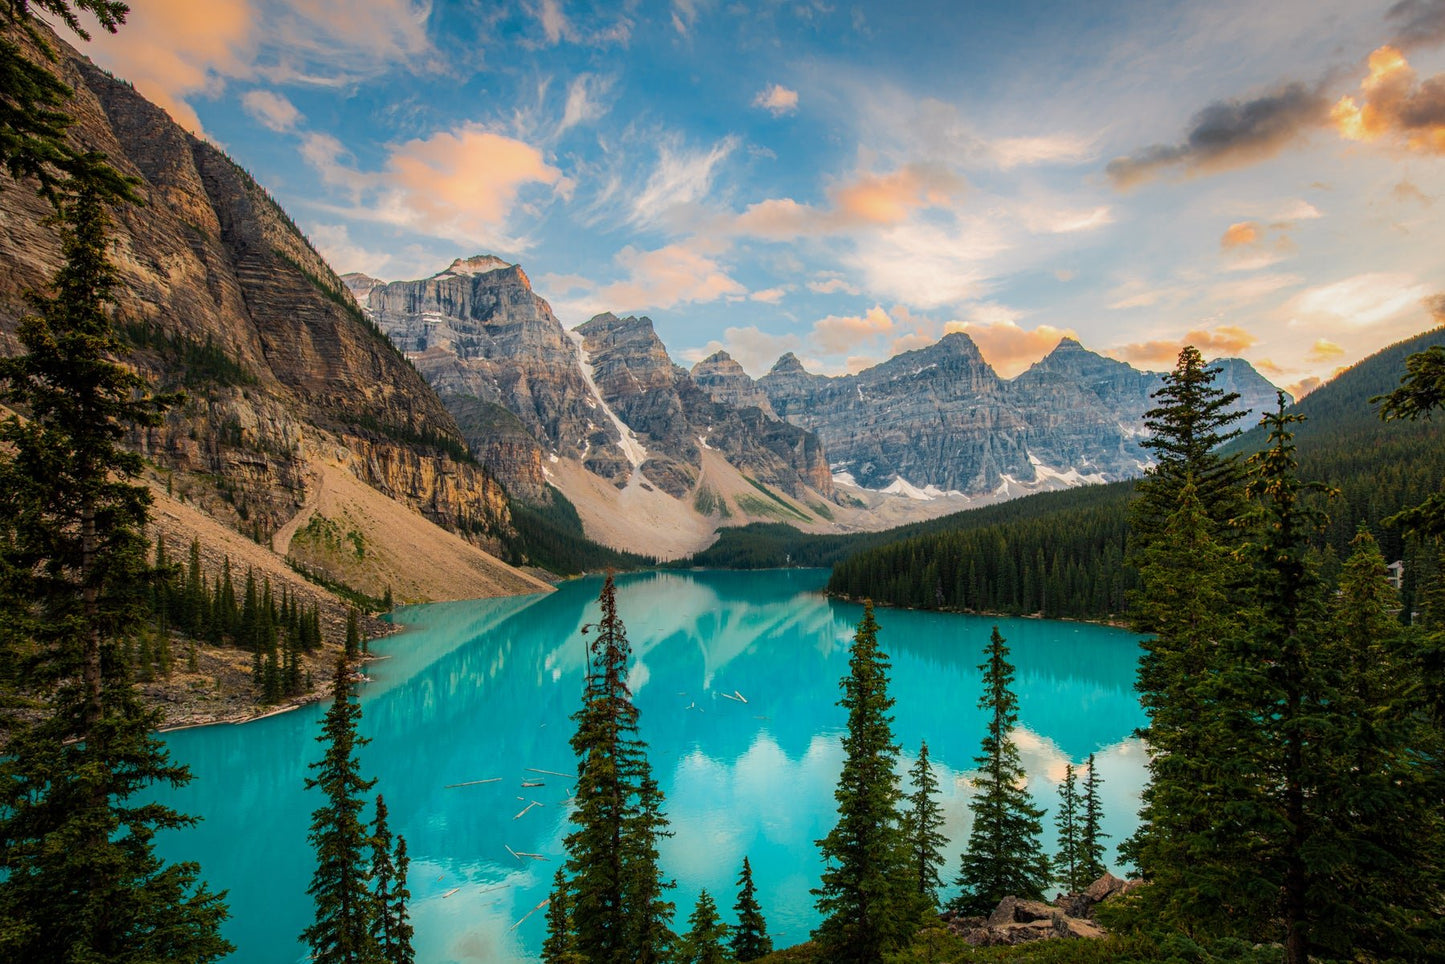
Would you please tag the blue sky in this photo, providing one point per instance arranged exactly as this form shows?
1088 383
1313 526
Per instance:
847 180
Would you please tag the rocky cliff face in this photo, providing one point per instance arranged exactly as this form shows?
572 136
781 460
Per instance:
526 391
940 417
502 363
672 416
221 295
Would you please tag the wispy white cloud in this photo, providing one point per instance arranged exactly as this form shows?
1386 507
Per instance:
272 109
681 177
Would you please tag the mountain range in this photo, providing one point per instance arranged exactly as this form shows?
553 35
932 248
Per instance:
928 431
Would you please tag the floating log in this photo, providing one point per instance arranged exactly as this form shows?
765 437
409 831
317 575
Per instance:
472 783
534 783
545 902
450 892
529 806
553 773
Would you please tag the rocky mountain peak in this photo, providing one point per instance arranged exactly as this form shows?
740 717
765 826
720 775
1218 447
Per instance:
475 265
725 381
788 365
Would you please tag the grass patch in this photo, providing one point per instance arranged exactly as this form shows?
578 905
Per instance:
786 506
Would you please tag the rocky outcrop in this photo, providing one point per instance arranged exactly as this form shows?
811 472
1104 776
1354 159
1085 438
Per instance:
941 417
1019 921
222 296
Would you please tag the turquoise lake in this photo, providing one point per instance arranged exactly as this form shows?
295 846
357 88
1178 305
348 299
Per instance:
484 690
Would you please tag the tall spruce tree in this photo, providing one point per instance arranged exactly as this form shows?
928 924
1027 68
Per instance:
342 932
865 897
922 826
1067 871
1091 833
750 939
391 928
617 911
1277 684
1004 855
1189 422
79 879
1421 392
706 934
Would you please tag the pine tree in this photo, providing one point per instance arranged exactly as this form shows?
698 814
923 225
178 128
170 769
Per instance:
391 929
706 934
1091 835
922 824
79 879
557 947
750 939
617 911
1066 821
1004 855
865 898
1189 422
345 907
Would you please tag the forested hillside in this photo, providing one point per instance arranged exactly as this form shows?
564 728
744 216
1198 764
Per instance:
1064 558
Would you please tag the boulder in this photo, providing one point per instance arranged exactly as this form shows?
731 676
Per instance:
1104 888
1013 910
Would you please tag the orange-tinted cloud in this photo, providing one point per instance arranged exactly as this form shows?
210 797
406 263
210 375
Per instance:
1304 386
460 185
1394 105
1239 234
463 184
869 200
667 276
172 49
1007 347
890 198
1226 340
1323 350
837 335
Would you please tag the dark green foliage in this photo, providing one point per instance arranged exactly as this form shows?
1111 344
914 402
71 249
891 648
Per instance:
922 826
550 536
1091 835
1421 391
1068 871
33 121
391 929
1061 565
705 934
1380 834
340 886
750 939
353 633
557 948
1190 421
866 898
616 908
188 362
79 880
1004 856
